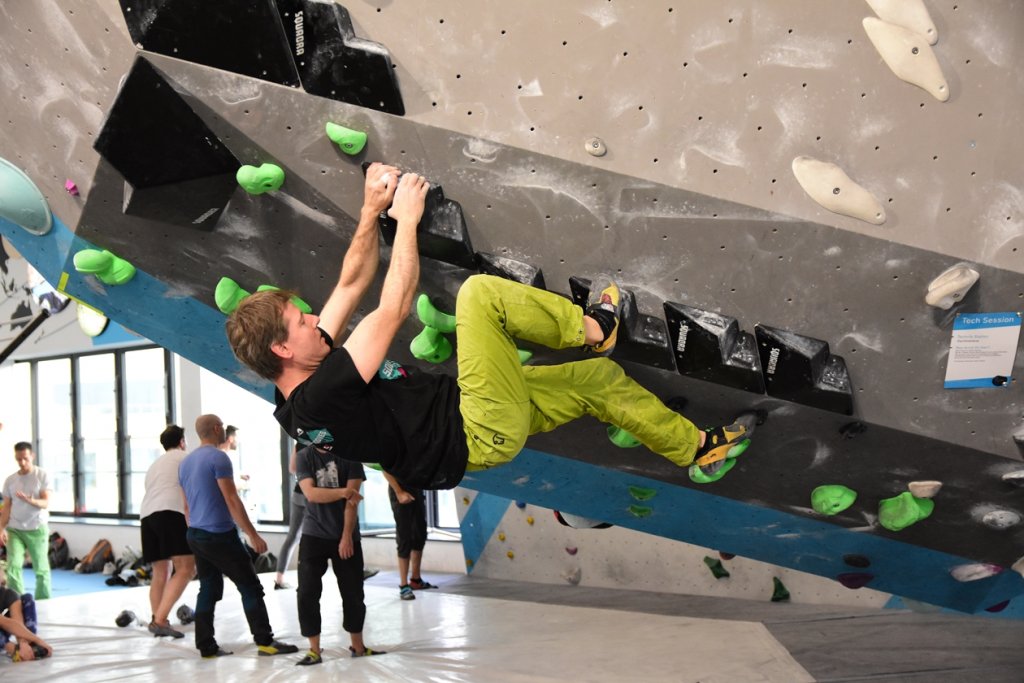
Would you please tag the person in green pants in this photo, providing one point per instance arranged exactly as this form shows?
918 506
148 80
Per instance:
23 519
425 429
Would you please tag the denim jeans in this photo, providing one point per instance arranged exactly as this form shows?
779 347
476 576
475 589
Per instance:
219 555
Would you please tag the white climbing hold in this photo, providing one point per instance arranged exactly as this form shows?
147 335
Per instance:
1018 566
595 147
1016 477
975 571
829 185
951 286
911 14
908 55
1001 519
573 576
924 489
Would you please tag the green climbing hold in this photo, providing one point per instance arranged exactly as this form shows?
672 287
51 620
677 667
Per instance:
21 202
903 510
640 511
350 141
431 317
832 499
622 438
716 567
299 303
524 356
228 295
265 178
640 493
430 345
109 269
698 476
779 592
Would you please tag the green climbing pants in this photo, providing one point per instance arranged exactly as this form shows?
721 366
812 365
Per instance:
504 402
37 542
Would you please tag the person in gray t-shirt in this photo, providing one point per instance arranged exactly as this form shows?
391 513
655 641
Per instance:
23 522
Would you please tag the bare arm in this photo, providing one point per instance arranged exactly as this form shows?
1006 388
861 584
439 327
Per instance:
20 632
291 460
185 501
42 502
238 513
317 494
5 519
369 341
401 494
360 263
347 548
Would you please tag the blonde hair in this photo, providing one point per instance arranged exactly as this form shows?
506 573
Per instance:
256 325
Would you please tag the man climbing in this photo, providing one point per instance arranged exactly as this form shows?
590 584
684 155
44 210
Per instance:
428 429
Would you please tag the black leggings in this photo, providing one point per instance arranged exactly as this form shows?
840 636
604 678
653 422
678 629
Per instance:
314 553
410 522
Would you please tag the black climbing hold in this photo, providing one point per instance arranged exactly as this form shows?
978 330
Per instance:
726 556
176 169
998 607
125 618
855 580
852 430
332 62
642 338
711 347
510 269
779 592
859 561
242 36
442 232
1000 381
801 369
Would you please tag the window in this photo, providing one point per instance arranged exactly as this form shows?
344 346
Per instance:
146 416
55 424
97 425
15 409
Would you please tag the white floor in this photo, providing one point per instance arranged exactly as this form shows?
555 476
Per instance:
437 637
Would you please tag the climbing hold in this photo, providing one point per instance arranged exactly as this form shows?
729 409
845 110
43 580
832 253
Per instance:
974 571
1001 519
442 233
909 56
910 14
465 500
804 370
640 493
91 321
832 499
829 185
998 607
71 188
296 301
855 580
469 563
726 556
571 549
126 618
21 202
511 555
431 317
501 535
577 522
186 615
574 576
521 504
510 269
718 470
951 286
524 356
1016 477
228 295
430 345
350 141
109 269
715 565
621 438
710 346
924 489
257 180
529 520
595 147
899 512
851 430
859 561
640 511
779 592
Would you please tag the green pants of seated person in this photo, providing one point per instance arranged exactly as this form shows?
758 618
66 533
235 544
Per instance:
504 402
37 542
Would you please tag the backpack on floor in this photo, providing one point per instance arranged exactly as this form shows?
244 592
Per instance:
96 558
59 554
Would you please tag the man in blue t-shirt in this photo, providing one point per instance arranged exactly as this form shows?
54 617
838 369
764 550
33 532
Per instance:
213 509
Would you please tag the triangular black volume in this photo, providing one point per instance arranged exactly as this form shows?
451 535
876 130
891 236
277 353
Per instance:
152 136
644 338
510 269
442 232
242 36
333 63
710 346
801 369
193 203
579 289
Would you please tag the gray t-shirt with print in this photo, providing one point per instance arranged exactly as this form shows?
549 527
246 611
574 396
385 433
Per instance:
24 515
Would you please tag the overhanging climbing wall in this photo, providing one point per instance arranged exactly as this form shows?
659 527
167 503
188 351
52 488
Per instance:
700 111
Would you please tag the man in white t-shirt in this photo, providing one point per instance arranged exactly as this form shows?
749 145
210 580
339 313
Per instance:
23 522
163 532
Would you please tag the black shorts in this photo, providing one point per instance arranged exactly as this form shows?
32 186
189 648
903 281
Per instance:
163 536
410 522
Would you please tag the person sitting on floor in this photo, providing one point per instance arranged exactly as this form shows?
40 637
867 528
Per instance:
18 619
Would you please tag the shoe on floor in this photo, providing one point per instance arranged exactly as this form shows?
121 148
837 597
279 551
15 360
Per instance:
276 647
370 573
367 652
721 443
605 306
420 584
159 630
283 586
310 659
219 652
405 592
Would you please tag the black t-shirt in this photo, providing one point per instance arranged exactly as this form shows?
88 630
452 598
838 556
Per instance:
326 520
406 420
8 597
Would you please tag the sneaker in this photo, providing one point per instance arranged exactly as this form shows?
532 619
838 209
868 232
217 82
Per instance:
405 592
370 573
283 586
721 443
219 652
420 584
276 647
310 659
159 630
605 300
367 652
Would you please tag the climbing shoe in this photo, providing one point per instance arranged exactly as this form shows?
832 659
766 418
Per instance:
283 586
219 652
721 443
160 630
405 592
276 647
605 306
310 659
367 652
420 584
